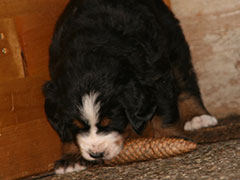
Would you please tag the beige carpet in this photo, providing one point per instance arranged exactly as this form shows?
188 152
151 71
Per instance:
211 161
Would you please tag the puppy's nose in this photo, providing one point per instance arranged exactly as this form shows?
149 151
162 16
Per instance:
96 155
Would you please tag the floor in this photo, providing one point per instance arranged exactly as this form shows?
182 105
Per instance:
212 161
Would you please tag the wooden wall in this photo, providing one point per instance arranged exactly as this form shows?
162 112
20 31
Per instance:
28 145
212 28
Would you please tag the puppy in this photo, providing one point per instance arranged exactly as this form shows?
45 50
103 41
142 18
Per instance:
117 65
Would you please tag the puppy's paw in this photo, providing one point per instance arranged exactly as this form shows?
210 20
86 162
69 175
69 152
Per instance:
71 163
199 122
69 169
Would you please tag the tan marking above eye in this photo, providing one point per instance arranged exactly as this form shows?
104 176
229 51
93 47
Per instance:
105 122
79 124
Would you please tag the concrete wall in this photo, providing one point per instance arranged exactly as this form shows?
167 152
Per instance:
212 28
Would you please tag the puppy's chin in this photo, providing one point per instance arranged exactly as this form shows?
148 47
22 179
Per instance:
109 154
110 145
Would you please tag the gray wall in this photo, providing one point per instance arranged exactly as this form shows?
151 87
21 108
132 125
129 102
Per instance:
212 28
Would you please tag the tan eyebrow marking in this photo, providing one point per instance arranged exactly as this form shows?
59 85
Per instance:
105 122
79 124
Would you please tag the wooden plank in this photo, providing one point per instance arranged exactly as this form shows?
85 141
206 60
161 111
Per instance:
27 149
28 144
35 20
35 33
12 8
21 101
11 65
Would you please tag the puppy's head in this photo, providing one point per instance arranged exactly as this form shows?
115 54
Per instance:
96 121
99 137
104 132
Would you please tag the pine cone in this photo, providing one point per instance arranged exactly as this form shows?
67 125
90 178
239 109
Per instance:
143 149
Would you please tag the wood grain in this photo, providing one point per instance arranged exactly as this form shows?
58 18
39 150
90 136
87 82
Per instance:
11 65
27 149
28 144
13 8
35 34
21 101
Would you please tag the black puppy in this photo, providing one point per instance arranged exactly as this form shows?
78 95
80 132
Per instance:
115 63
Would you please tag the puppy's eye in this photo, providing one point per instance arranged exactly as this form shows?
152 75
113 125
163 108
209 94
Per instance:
79 124
105 122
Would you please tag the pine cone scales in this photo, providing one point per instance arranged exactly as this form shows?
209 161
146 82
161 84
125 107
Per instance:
143 149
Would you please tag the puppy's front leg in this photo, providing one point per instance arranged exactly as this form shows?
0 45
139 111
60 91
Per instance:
72 161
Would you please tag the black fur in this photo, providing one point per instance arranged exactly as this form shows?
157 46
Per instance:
133 52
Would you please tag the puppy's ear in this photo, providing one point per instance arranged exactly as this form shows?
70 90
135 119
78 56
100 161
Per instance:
53 112
139 105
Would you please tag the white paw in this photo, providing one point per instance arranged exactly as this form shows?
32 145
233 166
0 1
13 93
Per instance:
70 169
200 122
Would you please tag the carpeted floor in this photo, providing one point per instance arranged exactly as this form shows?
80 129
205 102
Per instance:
211 161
